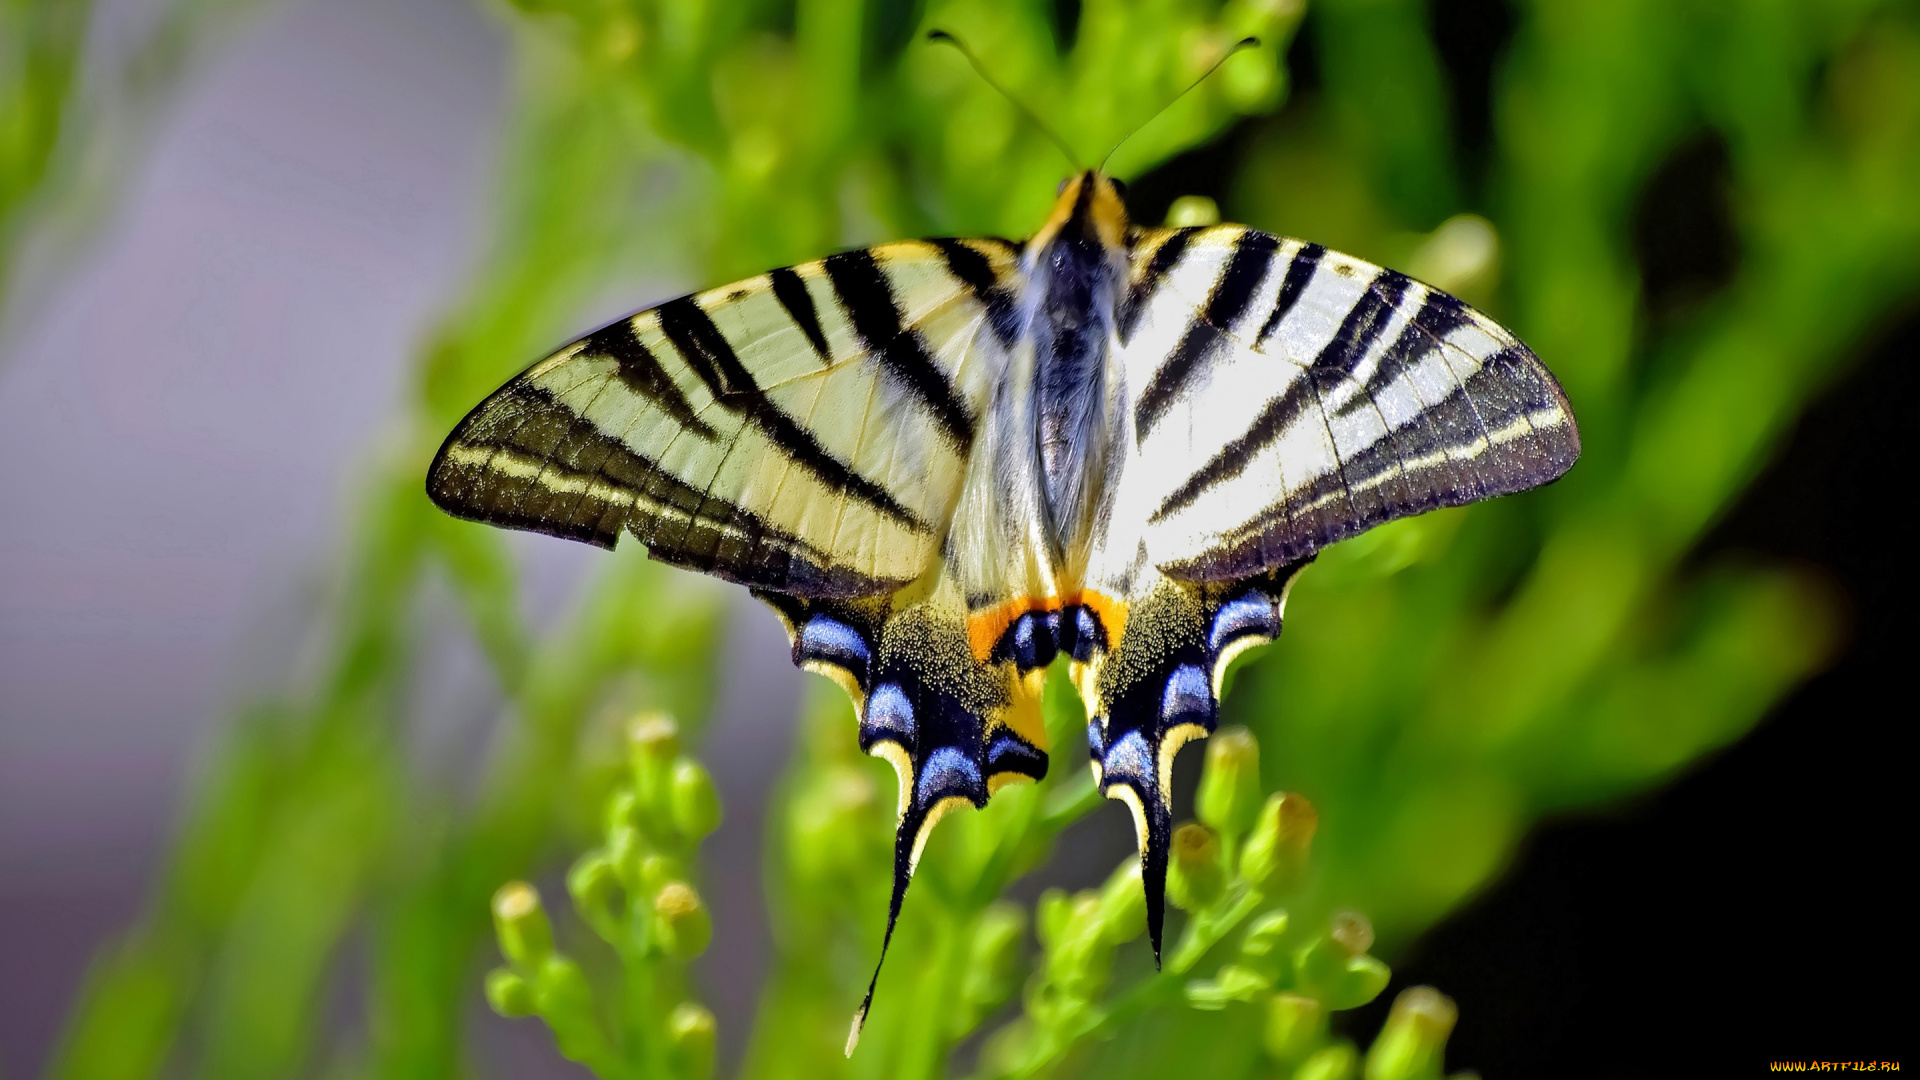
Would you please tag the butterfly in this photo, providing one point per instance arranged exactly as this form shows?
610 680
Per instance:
946 462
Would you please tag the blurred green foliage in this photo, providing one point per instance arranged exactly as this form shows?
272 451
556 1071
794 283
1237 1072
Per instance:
1443 682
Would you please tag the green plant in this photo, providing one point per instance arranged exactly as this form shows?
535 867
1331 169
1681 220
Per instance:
1443 682
634 893
1232 871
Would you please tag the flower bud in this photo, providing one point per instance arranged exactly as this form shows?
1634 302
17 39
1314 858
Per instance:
654 873
1295 1025
1331 968
691 1034
1336 1062
1414 1041
1352 932
1190 210
1229 796
1276 850
1123 904
625 848
526 937
655 737
562 993
655 743
623 810
594 885
509 995
695 801
565 1002
681 924
1361 982
1195 878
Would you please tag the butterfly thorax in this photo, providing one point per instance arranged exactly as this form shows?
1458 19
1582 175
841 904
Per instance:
1077 265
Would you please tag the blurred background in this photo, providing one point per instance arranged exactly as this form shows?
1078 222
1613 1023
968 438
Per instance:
1612 764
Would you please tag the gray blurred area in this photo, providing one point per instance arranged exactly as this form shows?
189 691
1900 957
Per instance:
185 405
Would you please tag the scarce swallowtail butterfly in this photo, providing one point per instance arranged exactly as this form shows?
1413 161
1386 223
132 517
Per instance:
945 462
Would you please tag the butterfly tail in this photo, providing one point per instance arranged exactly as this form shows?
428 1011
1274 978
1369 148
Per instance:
1153 685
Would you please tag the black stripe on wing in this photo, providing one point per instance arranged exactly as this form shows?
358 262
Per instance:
798 303
706 350
1245 270
869 303
972 267
1232 459
1358 331
1451 457
1438 315
525 460
1300 270
640 372
1159 265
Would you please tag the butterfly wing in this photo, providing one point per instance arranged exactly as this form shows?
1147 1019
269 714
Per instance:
1287 397
946 674
1280 397
804 431
808 433
956 725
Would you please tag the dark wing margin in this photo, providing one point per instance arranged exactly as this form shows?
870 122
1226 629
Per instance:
523 460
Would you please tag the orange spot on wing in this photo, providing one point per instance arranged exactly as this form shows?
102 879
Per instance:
1111 610
984 627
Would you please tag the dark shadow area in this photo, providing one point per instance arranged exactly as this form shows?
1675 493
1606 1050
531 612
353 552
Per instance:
1685 242
1471 38
1751 911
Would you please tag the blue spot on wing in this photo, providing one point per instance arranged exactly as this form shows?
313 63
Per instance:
1010 753
1129 759
1252 614
1188 698
947 772
889 717
828 639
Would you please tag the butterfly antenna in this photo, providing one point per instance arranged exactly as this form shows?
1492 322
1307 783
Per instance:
1032 117
1243 43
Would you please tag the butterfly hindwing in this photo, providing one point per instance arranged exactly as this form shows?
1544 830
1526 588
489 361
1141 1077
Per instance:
1150 670
956 724
806 430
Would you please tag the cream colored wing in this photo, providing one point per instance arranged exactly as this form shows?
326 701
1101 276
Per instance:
806 430
1285 397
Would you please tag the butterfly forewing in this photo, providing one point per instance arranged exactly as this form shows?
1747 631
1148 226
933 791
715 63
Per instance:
1289 397
806 430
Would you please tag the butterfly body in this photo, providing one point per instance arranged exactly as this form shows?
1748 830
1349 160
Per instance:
945 463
